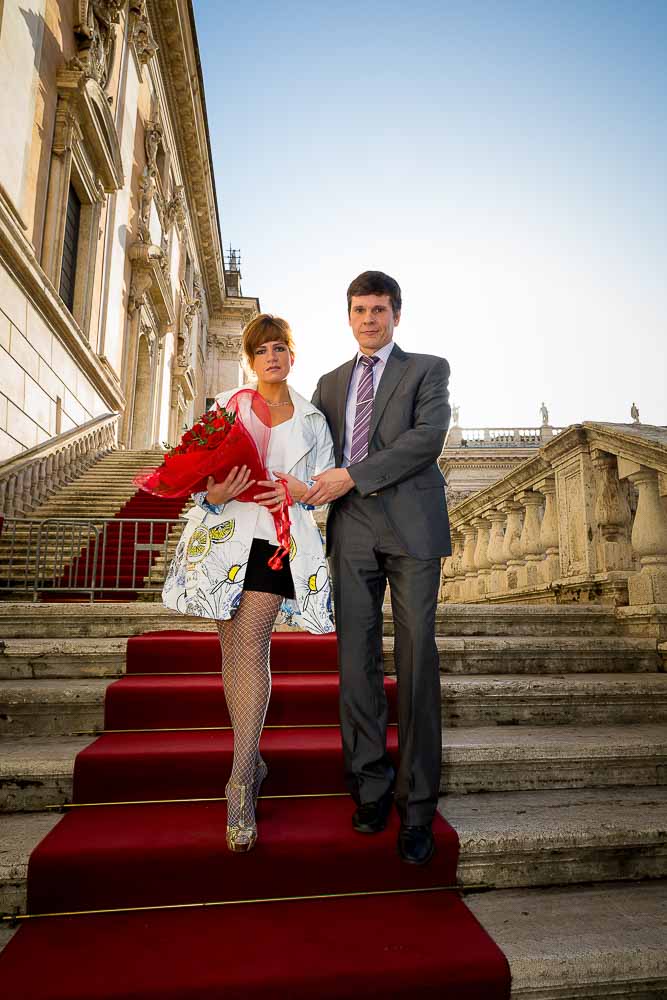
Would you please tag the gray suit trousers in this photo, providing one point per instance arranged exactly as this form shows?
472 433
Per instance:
365 554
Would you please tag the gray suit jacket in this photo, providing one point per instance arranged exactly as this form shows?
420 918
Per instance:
408 427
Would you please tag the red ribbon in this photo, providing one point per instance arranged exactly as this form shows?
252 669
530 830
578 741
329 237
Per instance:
283 524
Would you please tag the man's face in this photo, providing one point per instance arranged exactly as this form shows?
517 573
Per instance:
372 321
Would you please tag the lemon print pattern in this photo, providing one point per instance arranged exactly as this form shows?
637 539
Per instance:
199 544
222 532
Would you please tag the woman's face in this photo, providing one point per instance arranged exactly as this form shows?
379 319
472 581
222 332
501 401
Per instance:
272 361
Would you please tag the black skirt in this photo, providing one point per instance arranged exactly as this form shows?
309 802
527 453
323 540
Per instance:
259 576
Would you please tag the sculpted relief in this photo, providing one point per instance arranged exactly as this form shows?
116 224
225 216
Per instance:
96 35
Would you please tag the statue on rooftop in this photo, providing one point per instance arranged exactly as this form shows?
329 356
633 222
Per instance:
634 413
544 413
455 415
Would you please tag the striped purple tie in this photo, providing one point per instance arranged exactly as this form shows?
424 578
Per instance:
362 417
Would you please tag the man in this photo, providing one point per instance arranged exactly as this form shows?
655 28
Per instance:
388 412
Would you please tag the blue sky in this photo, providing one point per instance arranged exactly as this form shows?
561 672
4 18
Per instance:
506 162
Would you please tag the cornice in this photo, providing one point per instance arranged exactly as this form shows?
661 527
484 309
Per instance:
172 22
643 443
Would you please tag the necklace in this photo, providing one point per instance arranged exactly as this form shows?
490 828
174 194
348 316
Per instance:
287 402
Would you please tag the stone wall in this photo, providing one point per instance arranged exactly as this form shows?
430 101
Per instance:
42 389
104 99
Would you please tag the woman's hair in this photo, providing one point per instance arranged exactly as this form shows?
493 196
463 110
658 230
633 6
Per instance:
261 330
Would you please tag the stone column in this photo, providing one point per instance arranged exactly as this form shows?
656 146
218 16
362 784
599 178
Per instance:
512 543
482 562
531 545
498 577
550 567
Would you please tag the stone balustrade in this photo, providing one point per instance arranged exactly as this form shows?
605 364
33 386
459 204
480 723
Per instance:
584 519
499 437
32 477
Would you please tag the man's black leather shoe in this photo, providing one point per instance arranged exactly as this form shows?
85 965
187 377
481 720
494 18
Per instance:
416 844
371 817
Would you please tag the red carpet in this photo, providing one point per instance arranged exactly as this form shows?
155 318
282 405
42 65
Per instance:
173 853
122 559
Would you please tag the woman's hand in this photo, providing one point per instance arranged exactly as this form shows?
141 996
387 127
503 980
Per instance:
274 498
236 482
294 485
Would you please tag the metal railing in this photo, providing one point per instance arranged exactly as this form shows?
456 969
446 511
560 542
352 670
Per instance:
100 557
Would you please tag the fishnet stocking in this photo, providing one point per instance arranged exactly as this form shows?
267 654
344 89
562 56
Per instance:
245 642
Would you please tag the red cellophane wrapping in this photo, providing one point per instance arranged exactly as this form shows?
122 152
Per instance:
222 439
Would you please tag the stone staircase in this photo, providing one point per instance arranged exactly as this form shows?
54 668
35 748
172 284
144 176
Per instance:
554 772
99 493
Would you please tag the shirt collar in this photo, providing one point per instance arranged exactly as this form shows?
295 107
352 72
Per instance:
381 355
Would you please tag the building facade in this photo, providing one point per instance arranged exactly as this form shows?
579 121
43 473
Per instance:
114 292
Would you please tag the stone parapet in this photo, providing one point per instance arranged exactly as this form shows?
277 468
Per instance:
583 519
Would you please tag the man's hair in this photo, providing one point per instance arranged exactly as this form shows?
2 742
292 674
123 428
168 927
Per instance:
375 283
261 330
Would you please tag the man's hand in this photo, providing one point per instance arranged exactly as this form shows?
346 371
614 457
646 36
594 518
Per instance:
329 486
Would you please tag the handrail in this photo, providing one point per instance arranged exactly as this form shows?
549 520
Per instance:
29 479
17 462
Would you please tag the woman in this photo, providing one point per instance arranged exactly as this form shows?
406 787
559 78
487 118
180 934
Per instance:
221 568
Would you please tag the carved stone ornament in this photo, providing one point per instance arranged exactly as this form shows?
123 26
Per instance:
175 209
83 117
151 340
148 281
147 192
152 142
95 29
141 34
228 347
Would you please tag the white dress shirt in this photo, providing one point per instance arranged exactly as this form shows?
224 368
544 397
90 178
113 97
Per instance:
351 406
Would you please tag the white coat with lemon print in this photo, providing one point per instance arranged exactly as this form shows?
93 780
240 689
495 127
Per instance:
208 570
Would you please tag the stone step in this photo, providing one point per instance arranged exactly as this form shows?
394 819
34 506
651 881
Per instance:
64 706
573 943
105 656
21 620
559 837
581 943
37 771
507 840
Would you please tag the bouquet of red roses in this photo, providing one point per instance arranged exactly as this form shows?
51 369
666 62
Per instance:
222 439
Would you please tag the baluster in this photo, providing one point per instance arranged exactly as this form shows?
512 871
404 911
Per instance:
458 578
550 568
49 474
61 468
531 544
482 562
10 501
41 481
649 536
512 543
498 577
469 588
612 514
26 489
